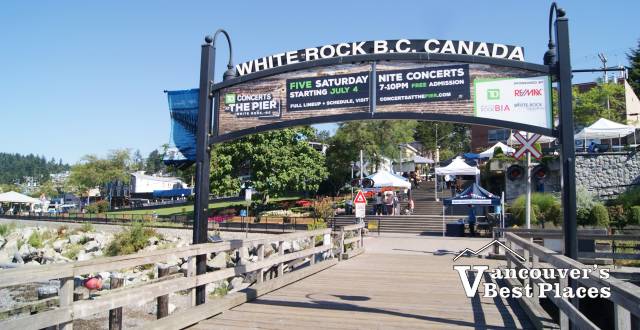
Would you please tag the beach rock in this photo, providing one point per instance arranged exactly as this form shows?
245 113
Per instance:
219 261
91 246
26 250
152 240
58 245
3 241
75 239
82 256
237 283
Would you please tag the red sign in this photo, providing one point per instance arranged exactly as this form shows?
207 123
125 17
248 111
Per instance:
527 146
360 199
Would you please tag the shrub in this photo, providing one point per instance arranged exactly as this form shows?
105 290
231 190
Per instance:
633 216
630 198
317 225
584 203
35 240
323 209
617 216
131 240
63 231
544 208
72 251
87 227
7 228
599 216
497 152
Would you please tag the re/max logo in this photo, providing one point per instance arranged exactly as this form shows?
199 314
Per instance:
528 92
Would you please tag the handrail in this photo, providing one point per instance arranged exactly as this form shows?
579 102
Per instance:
624 295
351 240
70 310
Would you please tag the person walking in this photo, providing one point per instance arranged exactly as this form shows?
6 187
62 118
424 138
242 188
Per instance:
411 206
388 203
396 204
378 205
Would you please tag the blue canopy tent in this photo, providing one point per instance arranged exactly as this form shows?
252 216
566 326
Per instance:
473 195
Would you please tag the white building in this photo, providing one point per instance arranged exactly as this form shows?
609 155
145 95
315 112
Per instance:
142 183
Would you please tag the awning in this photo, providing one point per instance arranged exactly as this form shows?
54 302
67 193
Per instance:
473 195
489 152
457 167
383 179
422 160
605 129
15 197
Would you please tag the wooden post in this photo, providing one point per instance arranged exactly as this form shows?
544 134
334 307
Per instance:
66 299
191 271
622 317
510 245
260 278
527 280
162 309
564 319
281 253
312 257
115 315
341 243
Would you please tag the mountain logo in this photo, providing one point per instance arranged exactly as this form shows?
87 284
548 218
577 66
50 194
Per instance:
495 241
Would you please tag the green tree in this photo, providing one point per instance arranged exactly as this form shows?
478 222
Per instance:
591 105
376 139
451 138
93 171
634 68
279 161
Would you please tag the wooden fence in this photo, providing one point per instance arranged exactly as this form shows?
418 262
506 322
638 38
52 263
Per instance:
625 296
283 266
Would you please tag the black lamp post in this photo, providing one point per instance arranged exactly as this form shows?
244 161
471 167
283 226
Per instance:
203 150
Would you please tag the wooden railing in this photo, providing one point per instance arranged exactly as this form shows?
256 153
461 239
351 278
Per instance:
284 267
623 246
625 296
351 240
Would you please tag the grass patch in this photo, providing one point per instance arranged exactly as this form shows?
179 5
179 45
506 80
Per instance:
35 240
87 227
131 240
7 228
220 291
188 210
72 251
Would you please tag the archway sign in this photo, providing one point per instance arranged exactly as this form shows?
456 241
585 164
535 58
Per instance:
441 80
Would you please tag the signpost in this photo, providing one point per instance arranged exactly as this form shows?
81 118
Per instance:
528 147
361 205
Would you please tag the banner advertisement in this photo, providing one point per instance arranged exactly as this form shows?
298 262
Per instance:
520 100
338 91
183 109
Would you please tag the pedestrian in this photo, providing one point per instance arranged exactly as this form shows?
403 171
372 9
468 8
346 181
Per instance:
411 206
396 204
472 221
378 206
388 203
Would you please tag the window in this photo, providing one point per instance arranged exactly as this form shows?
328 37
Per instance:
496 135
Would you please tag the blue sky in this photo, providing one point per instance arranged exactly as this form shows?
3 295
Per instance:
81 77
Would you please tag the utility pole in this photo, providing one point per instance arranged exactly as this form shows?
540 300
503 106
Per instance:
603 59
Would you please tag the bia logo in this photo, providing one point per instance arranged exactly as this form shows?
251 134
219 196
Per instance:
528 92
493 94
230 98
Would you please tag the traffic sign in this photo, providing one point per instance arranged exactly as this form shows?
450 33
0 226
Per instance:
527 146
361 204
360 199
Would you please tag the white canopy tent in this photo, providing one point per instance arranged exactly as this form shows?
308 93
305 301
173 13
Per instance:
489 152
18 198
606 129
457 167
383 179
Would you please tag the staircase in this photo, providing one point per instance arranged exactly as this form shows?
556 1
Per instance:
410 224
425 202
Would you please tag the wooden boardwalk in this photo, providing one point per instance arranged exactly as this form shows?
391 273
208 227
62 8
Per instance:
376 291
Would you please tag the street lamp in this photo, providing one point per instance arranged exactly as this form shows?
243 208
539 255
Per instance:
352 163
